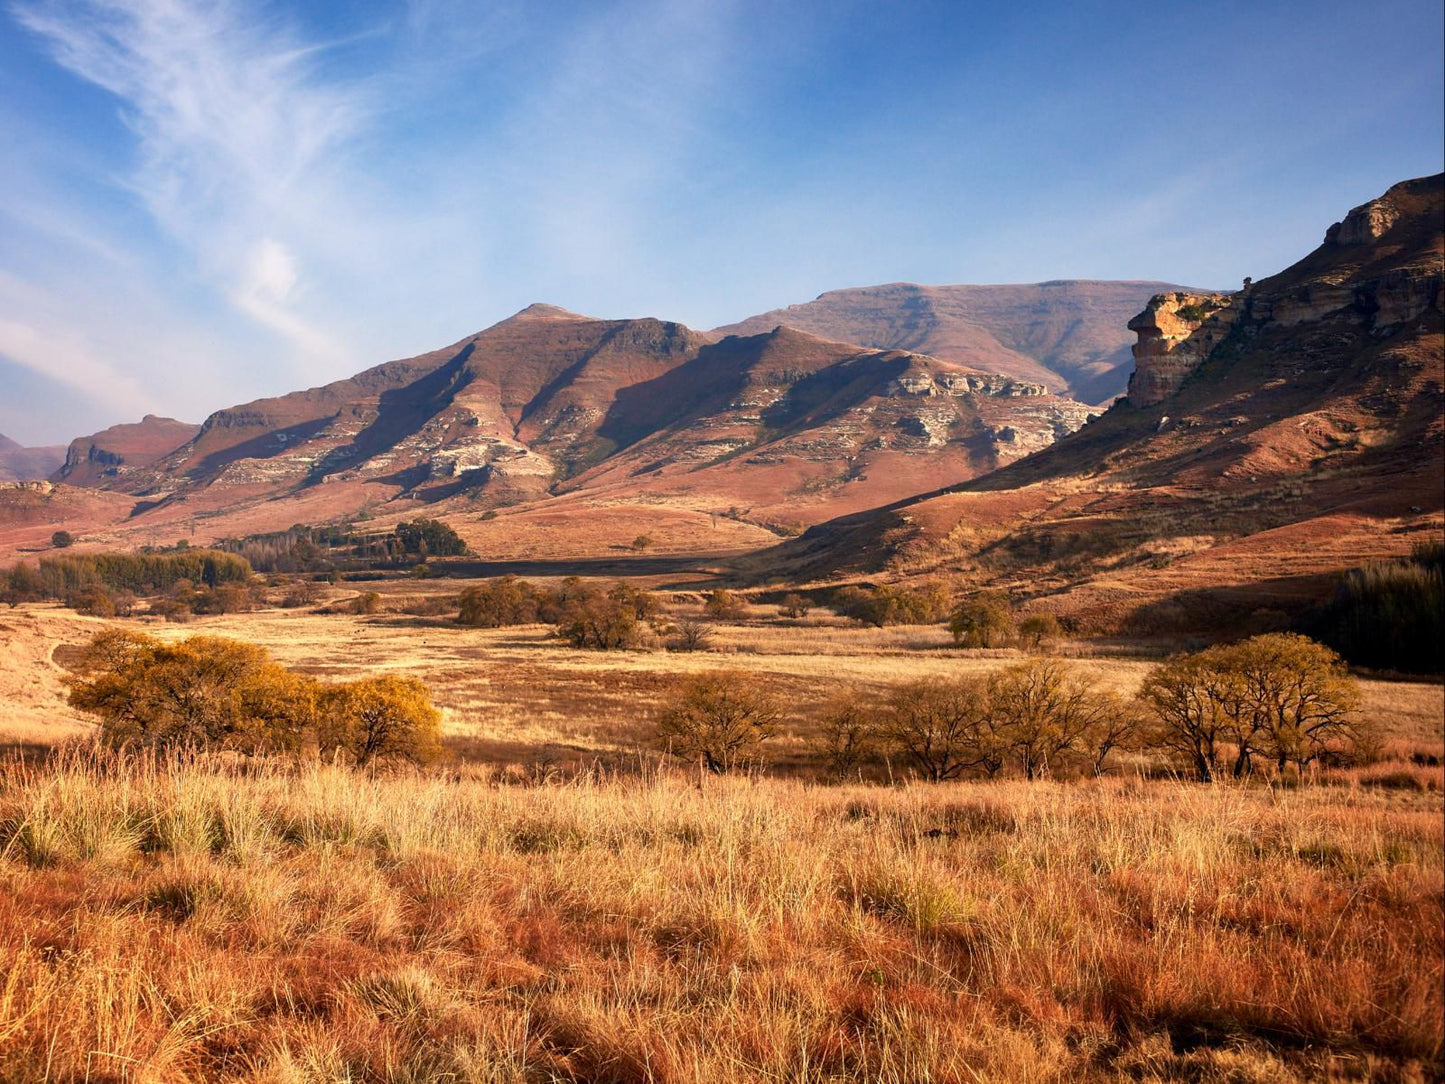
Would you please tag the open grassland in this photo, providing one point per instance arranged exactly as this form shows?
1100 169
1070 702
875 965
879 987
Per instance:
167 921
522 700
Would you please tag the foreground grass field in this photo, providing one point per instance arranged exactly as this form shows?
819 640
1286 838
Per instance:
168 922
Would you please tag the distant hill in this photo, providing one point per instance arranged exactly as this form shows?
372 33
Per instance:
21 464
114 457
1271 437
1068 335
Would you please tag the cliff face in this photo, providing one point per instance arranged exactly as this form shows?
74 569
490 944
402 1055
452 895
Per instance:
1376 271
1176 332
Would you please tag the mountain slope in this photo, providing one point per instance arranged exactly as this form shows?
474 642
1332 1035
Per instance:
1272 436
1068 335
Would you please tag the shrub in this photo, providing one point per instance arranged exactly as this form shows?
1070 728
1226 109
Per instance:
721 719
982 621
368 602
724 605
205 692
61 539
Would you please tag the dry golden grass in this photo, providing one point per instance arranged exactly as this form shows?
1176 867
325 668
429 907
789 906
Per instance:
521 697
169 922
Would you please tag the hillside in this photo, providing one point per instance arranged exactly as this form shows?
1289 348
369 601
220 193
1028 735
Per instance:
117 457
1271 437
1067 335
21 464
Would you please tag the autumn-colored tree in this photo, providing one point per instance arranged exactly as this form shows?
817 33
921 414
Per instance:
377 719
721 719
982 621
602 622
496 603
1037 630
945 727
1280 696
795 606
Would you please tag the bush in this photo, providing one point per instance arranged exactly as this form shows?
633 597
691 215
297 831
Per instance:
61 539
209 692
982 621
721 719
368 602
724 605
205 692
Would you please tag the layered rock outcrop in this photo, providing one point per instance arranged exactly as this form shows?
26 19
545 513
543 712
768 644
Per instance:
1176 333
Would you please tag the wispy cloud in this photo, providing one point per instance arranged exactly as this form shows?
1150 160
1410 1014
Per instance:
236 135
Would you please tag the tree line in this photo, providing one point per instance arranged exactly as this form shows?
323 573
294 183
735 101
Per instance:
1281 700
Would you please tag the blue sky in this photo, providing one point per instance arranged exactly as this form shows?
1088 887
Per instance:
209 201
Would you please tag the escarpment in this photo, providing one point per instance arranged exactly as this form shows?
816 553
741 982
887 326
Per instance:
1376 273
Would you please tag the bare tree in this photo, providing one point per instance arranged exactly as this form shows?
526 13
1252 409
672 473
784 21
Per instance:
944 727
721 719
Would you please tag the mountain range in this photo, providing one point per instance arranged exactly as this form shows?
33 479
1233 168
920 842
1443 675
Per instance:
793 426
1269 437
